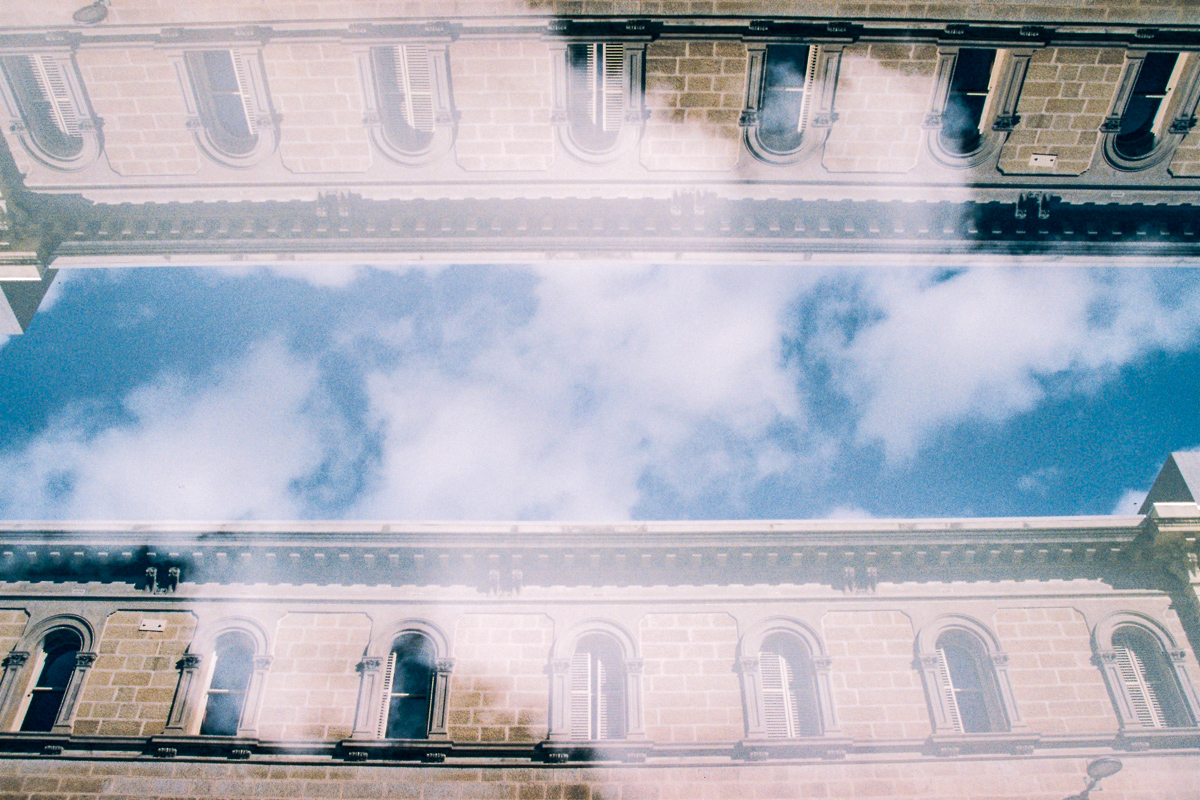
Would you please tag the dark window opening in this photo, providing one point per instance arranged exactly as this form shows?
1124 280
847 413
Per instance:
58 666
787 87
596 94
43 98
969 88
405 95
1136 138
789 688
227 690
408 682
969 684
597 688
221 85
1149 680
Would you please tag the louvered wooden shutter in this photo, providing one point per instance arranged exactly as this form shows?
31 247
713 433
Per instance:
613 87
246 89
581 77
948 691
580 680
1145 702
780 712
53 85
809 77
389 674
416 88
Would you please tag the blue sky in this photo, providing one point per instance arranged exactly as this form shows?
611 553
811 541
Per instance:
599 392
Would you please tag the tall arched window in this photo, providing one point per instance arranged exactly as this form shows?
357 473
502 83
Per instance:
223 89
968 684
599 100
231 673
1148 680
969 86
59 656
790 707
405 95
1141 118
597 690
45 100
788 110
786 96
408 680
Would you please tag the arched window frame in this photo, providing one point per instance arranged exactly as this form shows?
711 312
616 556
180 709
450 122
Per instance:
1176 116
631 663
821 115
435 39
195 674
23 666
633 92
993 668
244 46
750 670
72 101
372 686
999 115
1108 659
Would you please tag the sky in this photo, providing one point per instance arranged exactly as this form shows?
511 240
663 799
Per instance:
599 392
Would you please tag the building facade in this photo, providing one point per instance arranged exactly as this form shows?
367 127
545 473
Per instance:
956 658
476 132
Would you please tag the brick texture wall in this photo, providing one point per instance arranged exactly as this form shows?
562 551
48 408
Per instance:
690 691
12 625
1186 161
129 689
876 691
502 90
500 690
1143 778
1057 687
882 98
1066 94
137 93
694 92
312 687
317 91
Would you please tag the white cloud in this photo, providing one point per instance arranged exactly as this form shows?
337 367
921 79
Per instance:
1130 501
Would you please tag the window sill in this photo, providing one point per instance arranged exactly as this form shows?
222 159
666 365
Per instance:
953 744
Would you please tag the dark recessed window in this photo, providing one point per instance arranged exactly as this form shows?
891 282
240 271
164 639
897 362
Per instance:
402 79
1149 680
408 684
597 681
227 690
40 88
969 684
786 94
222 86
789 689
58 666
1136 138
969 87
595 94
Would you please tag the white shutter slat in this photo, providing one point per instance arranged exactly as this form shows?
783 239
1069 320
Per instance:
1144 702
389 674
779 708
580 679
809 76
53 84
613 87
245 89
413 79
948 691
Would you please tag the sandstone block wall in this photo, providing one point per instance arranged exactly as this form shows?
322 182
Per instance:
500 689
12 625
882 97
502 90
136 92
695 92
1066 95
690 690
317 91
1186 161
129 689
312 687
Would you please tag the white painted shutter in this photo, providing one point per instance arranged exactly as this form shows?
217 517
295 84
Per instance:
581 74
1141 697
246 89
580 680
948 691
809 76
412 76
53 84
389 674
780 714
613 87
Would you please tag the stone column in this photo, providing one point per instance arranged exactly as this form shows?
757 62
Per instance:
560 703
366 714
189 669
634 727
1107 661
935 692
748 669
254 693
66 711
1007 699
439 695
9 693
824 689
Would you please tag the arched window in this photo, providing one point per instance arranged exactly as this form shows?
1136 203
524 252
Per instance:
789 691
405 95
59 656
786 96
968 684
231 673
1148 680
969 86
1141 119
230 113
599 102
46 102
408 679
597 690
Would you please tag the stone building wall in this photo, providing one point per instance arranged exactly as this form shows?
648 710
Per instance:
882 97
694 93
129 689
1186 161
136 92
12 625
1067 92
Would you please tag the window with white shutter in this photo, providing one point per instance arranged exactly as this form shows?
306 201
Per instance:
407 688
403 81
786 96
597 691
41 88
790 707
596 94
1147 680
967 683
226 696
223 92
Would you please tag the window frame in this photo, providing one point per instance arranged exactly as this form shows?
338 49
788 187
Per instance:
999 115
633 88
23 666
72 92
1107 658
826 60
1176 116
562 654
372 687
749 664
